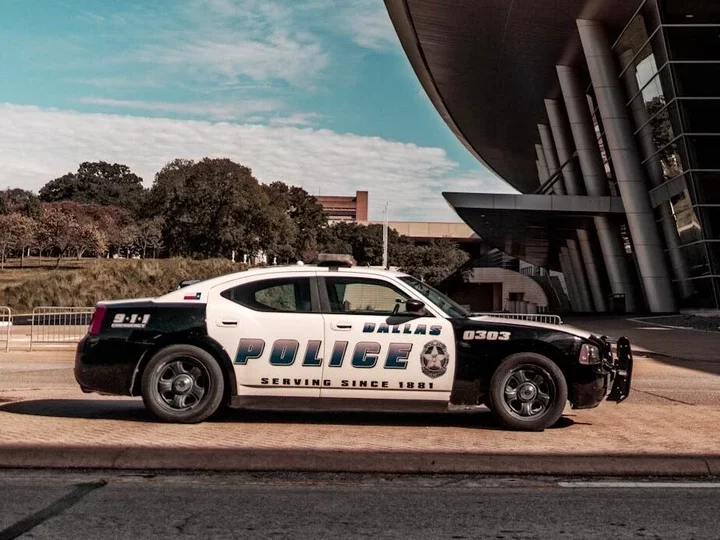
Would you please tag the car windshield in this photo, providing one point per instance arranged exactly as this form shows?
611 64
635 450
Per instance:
452 308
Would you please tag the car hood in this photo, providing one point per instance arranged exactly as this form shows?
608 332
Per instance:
566 328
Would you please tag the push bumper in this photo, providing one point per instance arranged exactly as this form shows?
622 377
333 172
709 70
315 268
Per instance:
609 380
622 371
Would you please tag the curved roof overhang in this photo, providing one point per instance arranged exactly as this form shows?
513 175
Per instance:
487 65
532 228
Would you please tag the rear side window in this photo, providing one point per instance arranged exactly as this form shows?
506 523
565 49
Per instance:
284 295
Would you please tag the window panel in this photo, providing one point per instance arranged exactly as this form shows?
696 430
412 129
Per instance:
700 115
697 260
707 188
704 151
359 296
693 43
697 80
288 295
695 12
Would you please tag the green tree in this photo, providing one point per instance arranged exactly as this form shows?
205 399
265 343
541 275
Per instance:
98 183
21 201
432 262
58 230
306 215
17 232
150 236
363 242
215 207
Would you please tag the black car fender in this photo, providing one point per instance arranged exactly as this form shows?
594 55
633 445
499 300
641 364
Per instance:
196 339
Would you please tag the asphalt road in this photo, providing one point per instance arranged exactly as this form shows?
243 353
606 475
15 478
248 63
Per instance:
70 505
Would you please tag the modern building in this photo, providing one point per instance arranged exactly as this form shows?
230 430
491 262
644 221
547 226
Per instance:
605 116
339 208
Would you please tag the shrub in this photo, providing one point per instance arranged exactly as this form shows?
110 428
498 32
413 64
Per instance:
110 280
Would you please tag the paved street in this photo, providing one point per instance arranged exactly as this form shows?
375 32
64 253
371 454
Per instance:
668 426
98 505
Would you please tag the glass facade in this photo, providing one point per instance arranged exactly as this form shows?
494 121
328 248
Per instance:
672 48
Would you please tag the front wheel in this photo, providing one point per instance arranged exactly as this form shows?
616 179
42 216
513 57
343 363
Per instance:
528 392
182 384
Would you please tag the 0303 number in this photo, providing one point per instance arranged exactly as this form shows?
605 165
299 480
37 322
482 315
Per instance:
488 335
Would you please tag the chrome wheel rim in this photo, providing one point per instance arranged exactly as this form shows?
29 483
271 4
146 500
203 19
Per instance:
528 392
182 383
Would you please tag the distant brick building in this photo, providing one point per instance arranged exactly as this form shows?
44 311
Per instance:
345 208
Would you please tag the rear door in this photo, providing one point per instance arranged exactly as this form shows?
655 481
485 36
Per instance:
273 331
374 349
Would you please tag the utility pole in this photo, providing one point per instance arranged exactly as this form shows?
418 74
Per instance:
385 237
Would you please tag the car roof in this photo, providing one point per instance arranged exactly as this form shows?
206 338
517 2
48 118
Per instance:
300 269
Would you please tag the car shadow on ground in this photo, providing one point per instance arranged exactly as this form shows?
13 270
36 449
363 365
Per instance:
134 411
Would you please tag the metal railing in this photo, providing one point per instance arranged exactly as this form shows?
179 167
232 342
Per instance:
5 326
59 325
532 317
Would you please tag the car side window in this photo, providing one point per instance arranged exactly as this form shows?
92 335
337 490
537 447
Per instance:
363 296
285 295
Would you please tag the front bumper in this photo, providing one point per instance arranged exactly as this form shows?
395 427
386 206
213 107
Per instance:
609 380
622 370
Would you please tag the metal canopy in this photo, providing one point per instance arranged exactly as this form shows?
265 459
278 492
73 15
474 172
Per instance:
487 65
532 228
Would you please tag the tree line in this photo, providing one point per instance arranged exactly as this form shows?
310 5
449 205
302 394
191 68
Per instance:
197 209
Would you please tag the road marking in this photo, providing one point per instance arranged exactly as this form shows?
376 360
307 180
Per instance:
654 328
652 485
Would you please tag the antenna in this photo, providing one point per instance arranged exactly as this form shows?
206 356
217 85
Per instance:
385 237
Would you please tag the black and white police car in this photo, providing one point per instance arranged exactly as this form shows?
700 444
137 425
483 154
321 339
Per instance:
340 337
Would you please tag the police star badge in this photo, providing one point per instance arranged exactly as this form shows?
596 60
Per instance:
434 359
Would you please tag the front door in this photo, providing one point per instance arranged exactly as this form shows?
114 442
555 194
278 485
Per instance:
375 349
272 329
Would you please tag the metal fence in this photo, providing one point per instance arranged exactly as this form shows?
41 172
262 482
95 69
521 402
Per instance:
59 325
533 317
5 327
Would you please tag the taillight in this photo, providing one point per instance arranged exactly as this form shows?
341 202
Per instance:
97 319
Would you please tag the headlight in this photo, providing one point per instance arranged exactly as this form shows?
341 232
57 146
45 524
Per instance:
589 354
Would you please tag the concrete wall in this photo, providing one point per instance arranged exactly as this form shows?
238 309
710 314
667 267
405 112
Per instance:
512 282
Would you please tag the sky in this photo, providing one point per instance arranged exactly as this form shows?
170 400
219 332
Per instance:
315 93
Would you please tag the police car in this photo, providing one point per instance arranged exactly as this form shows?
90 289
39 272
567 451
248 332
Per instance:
341 337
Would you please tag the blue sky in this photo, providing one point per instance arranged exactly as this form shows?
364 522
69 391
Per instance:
316 93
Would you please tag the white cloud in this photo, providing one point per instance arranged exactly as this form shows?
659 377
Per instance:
371 27
232 57
241 109
38 144
296 119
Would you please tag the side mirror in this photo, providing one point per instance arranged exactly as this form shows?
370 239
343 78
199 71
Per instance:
416 307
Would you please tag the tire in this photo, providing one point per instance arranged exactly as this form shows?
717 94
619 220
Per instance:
528 392
182 384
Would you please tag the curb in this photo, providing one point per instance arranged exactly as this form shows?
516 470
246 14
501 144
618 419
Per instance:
293 460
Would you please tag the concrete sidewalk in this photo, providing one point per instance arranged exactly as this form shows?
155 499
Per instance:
667 428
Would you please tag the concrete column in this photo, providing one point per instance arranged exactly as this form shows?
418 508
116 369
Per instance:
551 157
628 169
543 162
596 183
580 278
540 172
565 147
593 274
569 275
655 173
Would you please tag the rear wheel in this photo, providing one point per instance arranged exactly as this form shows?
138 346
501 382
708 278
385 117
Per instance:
528 392
182 384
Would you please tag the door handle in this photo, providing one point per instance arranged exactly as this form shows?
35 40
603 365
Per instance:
226 322
345 326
